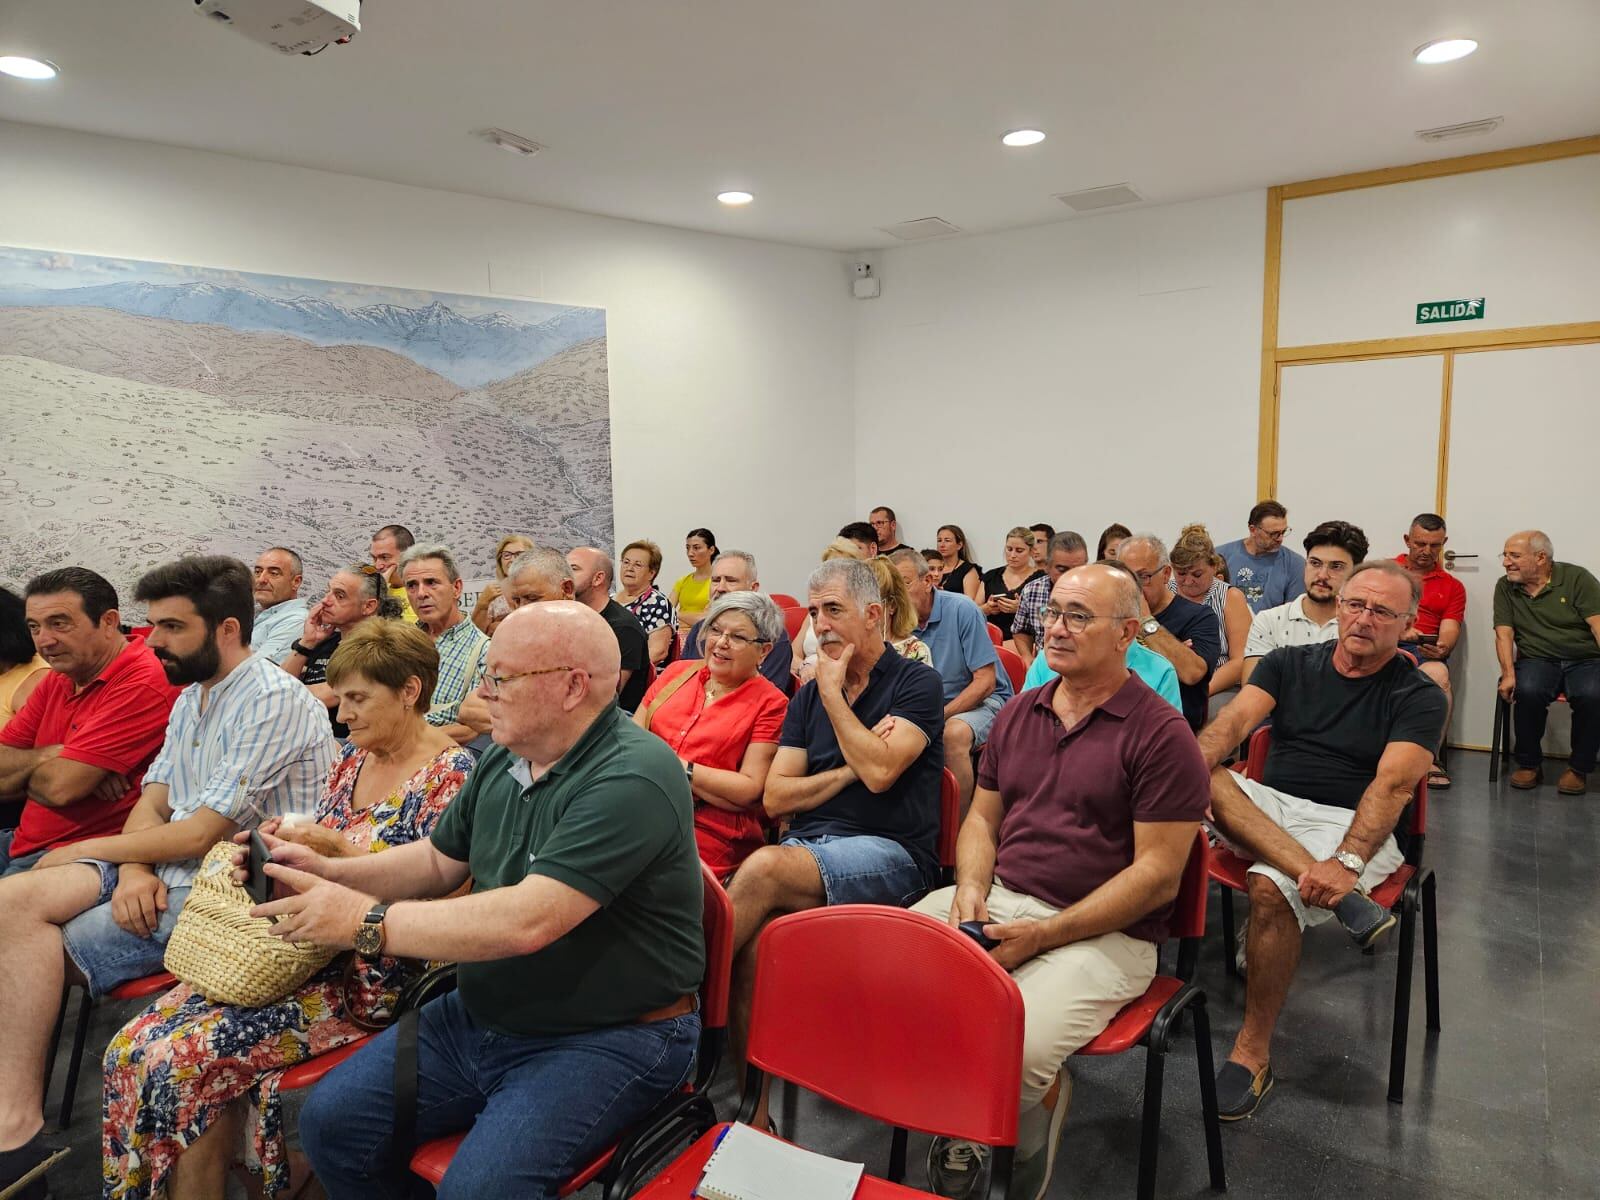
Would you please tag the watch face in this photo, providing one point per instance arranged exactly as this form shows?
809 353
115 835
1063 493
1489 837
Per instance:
368 939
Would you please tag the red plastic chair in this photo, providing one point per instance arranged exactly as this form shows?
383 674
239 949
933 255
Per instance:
1409 890
1152 1020
783 600
887 1012
995 634
1500 739
949 824
1016 669
310 1071
684 1115
793 618
134 989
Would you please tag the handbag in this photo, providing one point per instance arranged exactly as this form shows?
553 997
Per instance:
224 953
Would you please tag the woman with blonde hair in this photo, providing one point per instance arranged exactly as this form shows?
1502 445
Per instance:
1200 574
999 587
492 605
899 618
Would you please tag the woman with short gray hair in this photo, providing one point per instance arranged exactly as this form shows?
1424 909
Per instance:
722 718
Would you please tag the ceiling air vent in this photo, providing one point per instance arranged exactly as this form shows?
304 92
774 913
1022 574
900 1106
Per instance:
1466 129
920 229
1090 199
511 143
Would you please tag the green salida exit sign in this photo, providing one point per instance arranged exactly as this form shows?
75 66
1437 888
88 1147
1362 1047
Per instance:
1434 311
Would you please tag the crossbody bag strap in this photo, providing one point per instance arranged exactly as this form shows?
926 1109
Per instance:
666 693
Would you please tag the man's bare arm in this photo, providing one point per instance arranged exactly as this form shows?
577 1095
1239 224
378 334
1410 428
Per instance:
1399 770
876 761
974 694
790 790
1191 668
17 766
62 781
1233 724
416 871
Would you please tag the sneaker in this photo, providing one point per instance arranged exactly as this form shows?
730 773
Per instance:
958 1169
1572 783
1363 918
1239 1093
1030 1177
1525 778
22 1170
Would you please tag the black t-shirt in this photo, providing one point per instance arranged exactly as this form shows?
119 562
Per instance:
908 812
1197 625
955 580
994 584
1329 731
316 671
635 649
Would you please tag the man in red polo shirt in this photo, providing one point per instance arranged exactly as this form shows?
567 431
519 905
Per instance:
1089 795
1440 614
78 749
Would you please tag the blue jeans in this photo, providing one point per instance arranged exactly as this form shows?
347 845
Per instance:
538 1109
19 864
105 952
1539 682
862 869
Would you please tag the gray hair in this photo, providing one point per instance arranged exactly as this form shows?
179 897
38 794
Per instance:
294 559
442 553
1540 544
547 564
859 582
1068 542
916 560
762 612
1157 546
1126 592
744 556
1394 570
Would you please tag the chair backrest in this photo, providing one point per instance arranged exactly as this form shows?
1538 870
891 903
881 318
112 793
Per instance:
783 600
716 921
894 1014
1413 825
949 818
793 618
1016 669
1189 907
995 634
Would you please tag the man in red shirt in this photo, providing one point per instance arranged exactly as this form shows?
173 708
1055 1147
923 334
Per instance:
1440 614
78 749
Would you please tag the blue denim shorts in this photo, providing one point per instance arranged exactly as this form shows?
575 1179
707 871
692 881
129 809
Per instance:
981 718
863 869
104 951
19 864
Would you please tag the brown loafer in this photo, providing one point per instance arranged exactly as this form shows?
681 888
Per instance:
1524 778
1571 783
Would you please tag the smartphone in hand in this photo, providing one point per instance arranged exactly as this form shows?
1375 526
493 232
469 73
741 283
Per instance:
259 884
974 930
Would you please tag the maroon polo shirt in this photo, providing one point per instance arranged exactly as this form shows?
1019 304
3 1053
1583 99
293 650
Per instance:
1071 796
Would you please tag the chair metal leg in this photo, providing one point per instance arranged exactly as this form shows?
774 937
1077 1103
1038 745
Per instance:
80 1036
55 1044
897 1156
1230 938
1495 735
1150 1130
1402 996
1430 948
1208 1094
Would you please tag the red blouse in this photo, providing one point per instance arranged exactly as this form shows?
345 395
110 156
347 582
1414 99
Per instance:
717 735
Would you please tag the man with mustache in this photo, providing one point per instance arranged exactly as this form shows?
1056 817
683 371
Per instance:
1333 550
244 741
433 586
76 751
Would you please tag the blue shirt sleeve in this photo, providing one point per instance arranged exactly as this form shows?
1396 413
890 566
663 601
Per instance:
1296 584
778 665
976 648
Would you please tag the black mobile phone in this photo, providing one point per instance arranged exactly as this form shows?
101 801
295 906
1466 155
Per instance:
259 884
1428 639
974 930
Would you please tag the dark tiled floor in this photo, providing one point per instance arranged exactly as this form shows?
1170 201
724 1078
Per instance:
1504 1103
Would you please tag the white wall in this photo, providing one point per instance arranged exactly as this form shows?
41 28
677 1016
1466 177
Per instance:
717 346
1096 370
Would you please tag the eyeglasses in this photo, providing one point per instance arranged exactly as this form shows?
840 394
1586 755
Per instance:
1376 611
1076 621
493 683
1277 536
1144 577
738 641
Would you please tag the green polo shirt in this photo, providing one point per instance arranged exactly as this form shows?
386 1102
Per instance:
1555 623
613 818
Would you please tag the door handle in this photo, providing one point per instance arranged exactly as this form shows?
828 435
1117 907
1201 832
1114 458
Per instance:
1451 556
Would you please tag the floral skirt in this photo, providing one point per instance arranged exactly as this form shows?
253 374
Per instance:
171 1071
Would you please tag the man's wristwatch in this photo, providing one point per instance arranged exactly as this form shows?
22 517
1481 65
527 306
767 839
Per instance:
688 773
302 651
1149 628
1351 862
369 934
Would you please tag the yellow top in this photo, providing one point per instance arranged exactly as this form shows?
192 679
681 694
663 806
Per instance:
14 679
691 595
399 593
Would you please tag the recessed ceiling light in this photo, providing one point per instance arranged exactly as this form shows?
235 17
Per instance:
1023 137
28 68
735 199
1444 50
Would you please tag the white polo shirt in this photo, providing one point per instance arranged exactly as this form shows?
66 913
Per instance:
1286 625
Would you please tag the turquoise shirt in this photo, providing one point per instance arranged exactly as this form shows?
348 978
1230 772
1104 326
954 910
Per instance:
1142 661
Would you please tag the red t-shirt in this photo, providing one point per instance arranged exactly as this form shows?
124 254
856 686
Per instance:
1444 598
717 735
117 723
1071 796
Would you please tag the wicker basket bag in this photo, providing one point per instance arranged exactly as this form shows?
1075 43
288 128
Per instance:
227 955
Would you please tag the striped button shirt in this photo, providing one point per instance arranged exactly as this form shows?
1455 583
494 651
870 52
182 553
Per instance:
262 739
463 649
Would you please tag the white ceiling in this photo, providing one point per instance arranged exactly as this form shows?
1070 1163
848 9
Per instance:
842 116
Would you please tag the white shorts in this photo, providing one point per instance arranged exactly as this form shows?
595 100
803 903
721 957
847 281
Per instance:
1319 828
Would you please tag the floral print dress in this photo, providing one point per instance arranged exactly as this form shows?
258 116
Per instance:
171 1070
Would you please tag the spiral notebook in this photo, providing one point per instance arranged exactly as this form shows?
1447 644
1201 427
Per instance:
749 1165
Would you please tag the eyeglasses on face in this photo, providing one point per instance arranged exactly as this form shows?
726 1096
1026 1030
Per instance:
493 683
736 641
1376 611
1076 620
1276 535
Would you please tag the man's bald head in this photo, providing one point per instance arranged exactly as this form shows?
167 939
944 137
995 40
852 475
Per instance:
1102 598
558 665
560 632
591 575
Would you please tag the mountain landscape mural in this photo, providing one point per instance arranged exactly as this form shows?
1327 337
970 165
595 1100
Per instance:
166 409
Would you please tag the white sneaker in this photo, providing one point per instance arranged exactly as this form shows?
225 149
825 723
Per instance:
958 1169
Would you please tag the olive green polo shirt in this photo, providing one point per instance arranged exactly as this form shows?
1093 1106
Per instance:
613 819
1553 624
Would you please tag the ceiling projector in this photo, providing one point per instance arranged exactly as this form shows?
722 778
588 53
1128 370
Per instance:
292 26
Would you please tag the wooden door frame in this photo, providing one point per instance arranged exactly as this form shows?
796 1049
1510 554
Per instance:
1274 357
